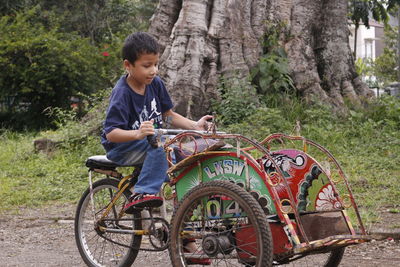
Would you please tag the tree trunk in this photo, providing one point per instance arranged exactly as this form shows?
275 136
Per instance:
205 39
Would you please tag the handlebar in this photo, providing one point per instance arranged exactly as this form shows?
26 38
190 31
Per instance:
152 139
179 131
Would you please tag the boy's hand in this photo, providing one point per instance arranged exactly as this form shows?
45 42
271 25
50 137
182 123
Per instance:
146 128
203 124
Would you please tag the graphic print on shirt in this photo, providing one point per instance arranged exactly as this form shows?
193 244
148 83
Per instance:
154 108
144 115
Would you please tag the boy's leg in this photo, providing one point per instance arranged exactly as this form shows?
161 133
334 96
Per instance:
151 177
129 153
155 164
153 172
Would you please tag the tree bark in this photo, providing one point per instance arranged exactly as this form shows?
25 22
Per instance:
203 40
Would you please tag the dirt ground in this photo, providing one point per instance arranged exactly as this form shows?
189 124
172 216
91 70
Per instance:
31 238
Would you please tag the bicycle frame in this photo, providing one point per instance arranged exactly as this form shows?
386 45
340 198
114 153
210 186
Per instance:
291 186
122 186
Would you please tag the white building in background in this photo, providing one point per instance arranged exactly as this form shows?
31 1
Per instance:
369 46
370 42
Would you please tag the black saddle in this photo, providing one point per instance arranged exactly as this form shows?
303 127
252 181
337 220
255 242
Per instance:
103 163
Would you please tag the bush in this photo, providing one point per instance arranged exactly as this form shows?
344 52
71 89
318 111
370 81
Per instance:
99 20
238 100
272 74
74 132
42 67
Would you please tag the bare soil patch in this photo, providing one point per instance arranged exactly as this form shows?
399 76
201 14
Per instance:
45 237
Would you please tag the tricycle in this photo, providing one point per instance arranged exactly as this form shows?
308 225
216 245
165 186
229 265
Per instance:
235 202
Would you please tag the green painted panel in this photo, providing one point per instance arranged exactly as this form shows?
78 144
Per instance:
228 168
314 190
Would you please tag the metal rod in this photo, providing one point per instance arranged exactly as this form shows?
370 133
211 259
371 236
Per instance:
219 256
179 131
91 197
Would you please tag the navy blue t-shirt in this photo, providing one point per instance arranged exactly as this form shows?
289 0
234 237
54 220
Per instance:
127 109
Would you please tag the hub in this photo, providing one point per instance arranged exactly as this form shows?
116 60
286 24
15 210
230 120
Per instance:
214 244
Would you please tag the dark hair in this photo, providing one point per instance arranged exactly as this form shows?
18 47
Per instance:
137 44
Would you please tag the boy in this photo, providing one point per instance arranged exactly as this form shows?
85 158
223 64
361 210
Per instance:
138 104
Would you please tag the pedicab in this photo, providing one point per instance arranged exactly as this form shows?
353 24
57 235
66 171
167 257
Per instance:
236 202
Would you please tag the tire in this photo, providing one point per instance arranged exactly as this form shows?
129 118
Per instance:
328 259
335 257
244 238
92 244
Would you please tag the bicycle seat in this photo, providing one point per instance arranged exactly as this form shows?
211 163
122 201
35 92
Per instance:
103 163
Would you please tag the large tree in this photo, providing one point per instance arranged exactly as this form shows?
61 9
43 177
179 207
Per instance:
205 39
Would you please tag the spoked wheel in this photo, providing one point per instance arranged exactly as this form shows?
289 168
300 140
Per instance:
329 259
106 248
220 224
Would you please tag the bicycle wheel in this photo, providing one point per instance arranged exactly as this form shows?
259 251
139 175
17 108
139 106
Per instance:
99 248
220 224
329 259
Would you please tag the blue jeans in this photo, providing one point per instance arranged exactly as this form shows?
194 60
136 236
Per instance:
138 152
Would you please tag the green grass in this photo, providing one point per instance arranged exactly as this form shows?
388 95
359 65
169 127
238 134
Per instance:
28 178
394 210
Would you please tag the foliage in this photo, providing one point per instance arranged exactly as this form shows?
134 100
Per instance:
8 7
280 114
73 131
392 4
385 111
361 67
362 9
272 74
367 69
99 20
238 100
263 120
273 71
386 64
52 50
43 67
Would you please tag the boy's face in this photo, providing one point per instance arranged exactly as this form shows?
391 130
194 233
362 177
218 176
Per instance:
143 70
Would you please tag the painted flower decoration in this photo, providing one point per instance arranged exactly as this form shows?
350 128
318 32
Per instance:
326 199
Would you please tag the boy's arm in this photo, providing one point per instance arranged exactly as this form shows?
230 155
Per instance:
178 121
119 135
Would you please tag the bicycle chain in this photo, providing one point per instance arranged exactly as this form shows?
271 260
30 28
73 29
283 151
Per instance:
143 249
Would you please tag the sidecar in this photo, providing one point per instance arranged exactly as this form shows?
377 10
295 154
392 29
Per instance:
300 187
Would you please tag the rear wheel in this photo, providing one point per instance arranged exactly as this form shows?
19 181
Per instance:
99 248
220 223
330 259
